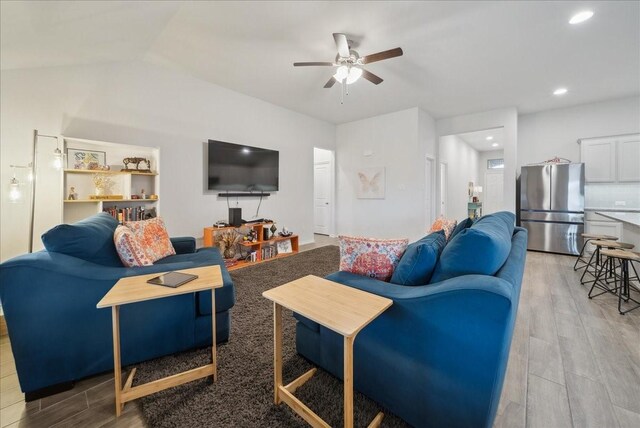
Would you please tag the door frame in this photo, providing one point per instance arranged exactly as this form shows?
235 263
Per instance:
332 190
431 182
443 195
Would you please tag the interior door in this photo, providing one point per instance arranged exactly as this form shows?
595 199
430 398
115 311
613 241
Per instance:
322 197
444 186
493 192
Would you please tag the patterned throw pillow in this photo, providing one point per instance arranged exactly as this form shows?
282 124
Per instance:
442 223
153 237
129 249
375 258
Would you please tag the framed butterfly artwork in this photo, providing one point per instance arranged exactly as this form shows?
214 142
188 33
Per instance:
370 183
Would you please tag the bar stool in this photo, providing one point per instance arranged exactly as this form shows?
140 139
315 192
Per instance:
623 290
590 237
596 259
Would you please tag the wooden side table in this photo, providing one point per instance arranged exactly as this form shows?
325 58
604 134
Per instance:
136 289
340 308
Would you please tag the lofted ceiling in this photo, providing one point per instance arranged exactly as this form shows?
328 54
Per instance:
459 57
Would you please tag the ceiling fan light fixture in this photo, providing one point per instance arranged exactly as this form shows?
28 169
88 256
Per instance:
354 75
341 73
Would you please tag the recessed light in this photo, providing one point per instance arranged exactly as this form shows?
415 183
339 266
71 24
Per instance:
560 91
245 150
490 137
581 17
494 145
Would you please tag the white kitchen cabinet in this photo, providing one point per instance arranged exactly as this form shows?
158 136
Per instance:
599 158
629 158
613 228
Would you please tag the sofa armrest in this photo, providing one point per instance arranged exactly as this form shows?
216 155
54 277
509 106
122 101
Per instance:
184 244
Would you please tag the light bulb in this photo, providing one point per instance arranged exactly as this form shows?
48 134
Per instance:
581 17
57 159
341 73
354 75
14 191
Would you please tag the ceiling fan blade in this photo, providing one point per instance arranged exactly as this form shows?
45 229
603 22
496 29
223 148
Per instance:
331 82
391 53
371 77
307 64
341 44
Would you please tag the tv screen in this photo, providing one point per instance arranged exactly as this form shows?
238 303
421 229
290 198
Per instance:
234 167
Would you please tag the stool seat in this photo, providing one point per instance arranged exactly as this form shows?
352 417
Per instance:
594 236
621 254
612 244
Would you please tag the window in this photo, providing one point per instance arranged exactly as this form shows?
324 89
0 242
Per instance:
495 164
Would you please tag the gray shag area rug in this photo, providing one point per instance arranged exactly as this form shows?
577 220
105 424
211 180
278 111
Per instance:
243 393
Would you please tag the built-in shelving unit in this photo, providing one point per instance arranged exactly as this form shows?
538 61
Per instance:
126 184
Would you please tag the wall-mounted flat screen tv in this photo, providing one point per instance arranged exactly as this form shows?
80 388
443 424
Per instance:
239 168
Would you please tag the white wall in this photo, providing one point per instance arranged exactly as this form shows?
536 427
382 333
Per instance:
143 104
551 133
462 167
503 118
399 142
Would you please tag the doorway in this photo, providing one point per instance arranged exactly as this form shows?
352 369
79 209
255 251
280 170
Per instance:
430 190
323 197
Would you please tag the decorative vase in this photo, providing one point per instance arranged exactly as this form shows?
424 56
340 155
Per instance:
229 252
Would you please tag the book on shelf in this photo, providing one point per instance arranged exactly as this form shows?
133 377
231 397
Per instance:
126 214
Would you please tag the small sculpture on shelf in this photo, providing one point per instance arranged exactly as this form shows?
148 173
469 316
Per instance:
273 229
103 184
142 194
73 196
137 161
285 232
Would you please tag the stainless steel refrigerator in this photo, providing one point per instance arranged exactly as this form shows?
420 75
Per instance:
552 207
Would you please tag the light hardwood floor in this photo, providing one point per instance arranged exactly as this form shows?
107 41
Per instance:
574 362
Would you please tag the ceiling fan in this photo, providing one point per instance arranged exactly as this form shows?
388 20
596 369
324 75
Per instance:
350 63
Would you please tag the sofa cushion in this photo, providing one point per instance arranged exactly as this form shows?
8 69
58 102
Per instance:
153 236
129 249
462 225
481 249
90 239
418 261
375 258
445 224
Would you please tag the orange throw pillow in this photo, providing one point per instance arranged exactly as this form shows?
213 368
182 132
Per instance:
444 224
129 249
153 237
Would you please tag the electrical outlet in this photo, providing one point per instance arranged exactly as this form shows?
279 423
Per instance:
620 203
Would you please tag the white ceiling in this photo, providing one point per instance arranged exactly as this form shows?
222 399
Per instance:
478 139
459 57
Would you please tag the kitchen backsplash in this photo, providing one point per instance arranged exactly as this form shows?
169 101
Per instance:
605 195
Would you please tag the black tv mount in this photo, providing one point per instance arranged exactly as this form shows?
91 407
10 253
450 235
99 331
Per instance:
235 195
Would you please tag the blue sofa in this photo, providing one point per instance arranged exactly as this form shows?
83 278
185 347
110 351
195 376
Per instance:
437 357
59 336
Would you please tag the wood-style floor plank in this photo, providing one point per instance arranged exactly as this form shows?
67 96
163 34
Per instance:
547 404
590 405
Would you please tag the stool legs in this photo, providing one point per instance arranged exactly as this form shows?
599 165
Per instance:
580 258
625 291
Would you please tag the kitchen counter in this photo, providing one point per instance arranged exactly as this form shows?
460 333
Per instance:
632 218
617 209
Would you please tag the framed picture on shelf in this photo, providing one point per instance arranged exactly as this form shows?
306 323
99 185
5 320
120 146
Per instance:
284 247
86 159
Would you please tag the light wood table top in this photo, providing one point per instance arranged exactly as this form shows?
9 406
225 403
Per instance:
136 289
340 308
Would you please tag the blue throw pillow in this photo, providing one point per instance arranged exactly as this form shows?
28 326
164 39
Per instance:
90 239
481 249
418 261
464 224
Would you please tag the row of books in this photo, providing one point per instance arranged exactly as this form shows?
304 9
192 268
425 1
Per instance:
126 214
266 253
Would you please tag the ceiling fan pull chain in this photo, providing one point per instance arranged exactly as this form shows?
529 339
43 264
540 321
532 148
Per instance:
342 92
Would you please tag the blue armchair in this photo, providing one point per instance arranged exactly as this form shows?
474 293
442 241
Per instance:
437 357
59 336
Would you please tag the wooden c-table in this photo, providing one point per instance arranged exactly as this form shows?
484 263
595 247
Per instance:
340 308
136 289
